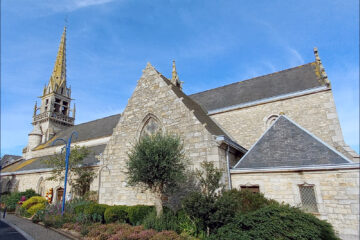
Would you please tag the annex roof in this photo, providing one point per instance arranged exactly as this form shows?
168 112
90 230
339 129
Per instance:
37 163
280 83
89 130
8 159
286 144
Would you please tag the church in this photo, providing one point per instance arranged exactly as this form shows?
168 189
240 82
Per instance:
278 134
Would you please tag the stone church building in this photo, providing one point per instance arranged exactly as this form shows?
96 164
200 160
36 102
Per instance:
278 134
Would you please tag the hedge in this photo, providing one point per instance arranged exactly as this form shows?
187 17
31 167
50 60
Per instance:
96 211
276 222
138 213
116 214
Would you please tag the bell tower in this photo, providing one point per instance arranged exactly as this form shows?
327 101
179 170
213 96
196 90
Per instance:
53 115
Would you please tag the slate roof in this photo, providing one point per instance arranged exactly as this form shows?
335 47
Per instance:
37 163
199 112
90 130
286 144
8 159
284 82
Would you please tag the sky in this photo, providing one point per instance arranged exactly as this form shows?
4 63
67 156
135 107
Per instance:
214 43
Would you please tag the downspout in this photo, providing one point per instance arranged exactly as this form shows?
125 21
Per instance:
102 167
228 166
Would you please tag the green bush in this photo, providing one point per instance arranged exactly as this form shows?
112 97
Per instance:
169 220
12 199
137 213
34 208
276 222
116 214
80 207
214 212
96 211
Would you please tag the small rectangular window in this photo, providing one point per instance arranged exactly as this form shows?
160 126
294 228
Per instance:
47 101
57 100
308 199
253 189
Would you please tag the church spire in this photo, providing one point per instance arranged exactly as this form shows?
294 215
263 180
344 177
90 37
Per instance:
58 77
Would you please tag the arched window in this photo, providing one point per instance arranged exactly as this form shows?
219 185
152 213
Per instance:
151 126
41 186
270 120
8 186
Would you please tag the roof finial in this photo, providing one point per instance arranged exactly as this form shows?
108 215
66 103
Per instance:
323 74
175 77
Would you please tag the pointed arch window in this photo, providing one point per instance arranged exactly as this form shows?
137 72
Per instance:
151 126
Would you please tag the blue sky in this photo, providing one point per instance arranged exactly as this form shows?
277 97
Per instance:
214 43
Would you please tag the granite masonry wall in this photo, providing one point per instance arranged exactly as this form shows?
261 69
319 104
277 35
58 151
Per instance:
336 191
153 98
316 112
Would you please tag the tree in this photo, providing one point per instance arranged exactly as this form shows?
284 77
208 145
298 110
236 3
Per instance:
79 176
157 163
200 206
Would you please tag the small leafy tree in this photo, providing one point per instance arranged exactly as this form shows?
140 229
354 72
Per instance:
157 163
200 206
79 176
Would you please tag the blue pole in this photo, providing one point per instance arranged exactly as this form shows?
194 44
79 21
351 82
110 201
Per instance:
66 173
67 155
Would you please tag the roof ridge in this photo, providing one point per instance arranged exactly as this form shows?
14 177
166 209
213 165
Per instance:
269 74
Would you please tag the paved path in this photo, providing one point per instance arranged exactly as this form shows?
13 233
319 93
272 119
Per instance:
34 230
9 233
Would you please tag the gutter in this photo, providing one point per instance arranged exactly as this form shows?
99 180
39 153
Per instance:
33 171
297 169
231 143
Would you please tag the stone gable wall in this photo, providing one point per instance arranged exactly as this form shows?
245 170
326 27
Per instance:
315 112
152 95
337 194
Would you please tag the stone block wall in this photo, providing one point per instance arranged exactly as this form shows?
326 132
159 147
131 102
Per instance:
336 191
152 97
316 112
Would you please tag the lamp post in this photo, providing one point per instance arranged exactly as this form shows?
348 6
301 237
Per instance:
67 155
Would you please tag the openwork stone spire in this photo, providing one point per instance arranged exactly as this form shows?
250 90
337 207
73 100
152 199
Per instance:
58 77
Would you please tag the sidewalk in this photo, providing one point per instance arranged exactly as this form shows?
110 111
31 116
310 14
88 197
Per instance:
34 230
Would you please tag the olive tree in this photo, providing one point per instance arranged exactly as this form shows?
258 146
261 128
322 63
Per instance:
157 163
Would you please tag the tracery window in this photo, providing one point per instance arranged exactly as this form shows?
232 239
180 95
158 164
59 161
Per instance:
150 127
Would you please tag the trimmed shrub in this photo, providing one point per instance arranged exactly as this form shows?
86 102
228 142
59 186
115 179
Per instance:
80 207
96 211
116 214
34 208
276 222
138 213
32 201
